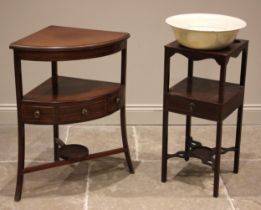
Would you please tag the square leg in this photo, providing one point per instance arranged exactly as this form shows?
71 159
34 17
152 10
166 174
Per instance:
164 146
188 137
217 158
238 139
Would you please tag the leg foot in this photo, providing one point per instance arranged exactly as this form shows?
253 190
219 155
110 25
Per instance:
19 187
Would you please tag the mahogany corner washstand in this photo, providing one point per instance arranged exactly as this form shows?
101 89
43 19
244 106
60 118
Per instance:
207 99
63 100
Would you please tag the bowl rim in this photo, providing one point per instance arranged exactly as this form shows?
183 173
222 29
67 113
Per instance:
243 23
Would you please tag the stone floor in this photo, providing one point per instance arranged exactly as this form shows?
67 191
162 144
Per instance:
106 184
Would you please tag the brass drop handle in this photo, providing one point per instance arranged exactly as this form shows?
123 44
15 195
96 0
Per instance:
84 112
37 114
117 100
192 106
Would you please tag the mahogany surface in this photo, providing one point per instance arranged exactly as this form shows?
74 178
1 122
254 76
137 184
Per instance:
71 90
58 38
56 43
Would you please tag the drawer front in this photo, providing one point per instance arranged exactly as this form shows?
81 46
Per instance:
115 101
82 112
193 108
38 114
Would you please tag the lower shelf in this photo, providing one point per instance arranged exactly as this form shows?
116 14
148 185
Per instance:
73 152
197 150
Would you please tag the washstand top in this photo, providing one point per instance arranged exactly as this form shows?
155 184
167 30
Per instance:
58 38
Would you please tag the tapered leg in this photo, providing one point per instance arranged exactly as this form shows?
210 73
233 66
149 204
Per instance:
55 136
238 139
188 137
125 141
217 158
20 166
164 146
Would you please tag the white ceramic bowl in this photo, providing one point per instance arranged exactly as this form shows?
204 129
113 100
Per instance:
205 31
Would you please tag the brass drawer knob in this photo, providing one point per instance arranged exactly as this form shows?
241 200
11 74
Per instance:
117 100
192 107
37 114
84 112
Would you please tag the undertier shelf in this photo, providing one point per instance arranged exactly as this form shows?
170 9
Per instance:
70 90
197 150
73 152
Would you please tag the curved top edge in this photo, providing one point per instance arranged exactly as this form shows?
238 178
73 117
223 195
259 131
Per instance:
206 18
59 38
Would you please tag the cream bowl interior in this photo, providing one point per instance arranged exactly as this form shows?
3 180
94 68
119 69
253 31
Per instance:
205 31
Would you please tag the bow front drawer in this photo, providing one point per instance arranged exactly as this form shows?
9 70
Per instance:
82 112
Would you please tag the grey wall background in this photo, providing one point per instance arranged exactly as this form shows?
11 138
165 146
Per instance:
145 21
